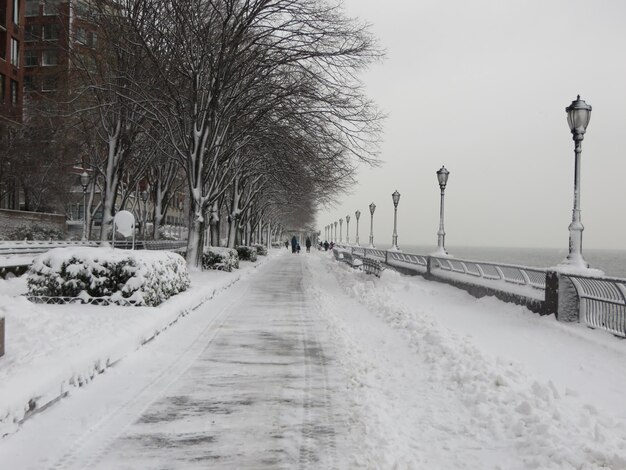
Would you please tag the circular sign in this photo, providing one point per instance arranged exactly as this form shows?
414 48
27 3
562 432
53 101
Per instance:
124 223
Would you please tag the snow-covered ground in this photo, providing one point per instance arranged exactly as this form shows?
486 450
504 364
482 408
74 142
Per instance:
51 349
309 363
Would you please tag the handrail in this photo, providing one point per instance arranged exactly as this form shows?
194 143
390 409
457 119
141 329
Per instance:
602 302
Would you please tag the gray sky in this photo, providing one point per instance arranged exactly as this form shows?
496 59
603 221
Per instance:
481 86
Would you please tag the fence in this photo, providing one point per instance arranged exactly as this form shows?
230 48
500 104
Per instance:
602 302
17 256
599 302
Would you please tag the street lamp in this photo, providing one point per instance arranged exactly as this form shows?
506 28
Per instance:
442 177
347 229
84 182
578 115
372 209
357 214
340 231
394 239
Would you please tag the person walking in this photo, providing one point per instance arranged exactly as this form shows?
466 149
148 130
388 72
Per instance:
294 244
308 245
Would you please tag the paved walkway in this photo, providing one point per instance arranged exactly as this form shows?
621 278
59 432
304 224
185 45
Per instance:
244 382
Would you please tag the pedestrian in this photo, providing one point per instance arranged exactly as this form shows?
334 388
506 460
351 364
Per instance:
294 243
308 245
287 244
326 245
298 248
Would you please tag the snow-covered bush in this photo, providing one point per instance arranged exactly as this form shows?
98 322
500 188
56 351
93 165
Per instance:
247 253
261 250
225 259
142 277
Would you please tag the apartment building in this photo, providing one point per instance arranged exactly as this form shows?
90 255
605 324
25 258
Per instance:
11 72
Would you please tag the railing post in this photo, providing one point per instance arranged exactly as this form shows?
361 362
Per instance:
561 297
429 267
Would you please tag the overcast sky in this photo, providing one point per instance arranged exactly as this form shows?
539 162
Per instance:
481 87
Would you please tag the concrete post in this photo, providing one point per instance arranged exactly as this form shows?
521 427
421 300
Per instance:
561 298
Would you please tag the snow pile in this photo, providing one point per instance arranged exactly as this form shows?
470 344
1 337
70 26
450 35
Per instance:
471 411
223 259
142 277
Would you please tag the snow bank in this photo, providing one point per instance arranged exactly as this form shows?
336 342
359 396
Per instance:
53 349
454 406
140 276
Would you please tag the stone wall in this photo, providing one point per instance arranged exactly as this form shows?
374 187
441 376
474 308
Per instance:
10 220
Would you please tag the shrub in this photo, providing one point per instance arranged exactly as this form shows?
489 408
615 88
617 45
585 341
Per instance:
215 257
143 277
247 253
35 232
261 250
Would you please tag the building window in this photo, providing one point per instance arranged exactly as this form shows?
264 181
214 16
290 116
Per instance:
81 35
16 11
3 85
48 83
15 53
51 7
32 32
50 32
14 92
3 45
93 40
49 57
31 58
29 82
81 9
32 8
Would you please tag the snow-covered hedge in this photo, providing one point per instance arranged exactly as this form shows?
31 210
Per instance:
142 277
247 253
215 257
260 249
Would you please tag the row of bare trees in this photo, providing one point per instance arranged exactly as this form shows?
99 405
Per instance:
253 105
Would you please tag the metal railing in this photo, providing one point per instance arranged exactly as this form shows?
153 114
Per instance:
491 273
602 302
10 267
36 246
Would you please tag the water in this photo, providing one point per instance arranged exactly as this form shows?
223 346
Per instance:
612 262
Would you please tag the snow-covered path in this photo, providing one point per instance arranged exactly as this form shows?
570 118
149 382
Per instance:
245 382
307 363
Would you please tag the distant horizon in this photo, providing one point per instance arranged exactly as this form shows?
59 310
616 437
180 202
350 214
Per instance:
448 247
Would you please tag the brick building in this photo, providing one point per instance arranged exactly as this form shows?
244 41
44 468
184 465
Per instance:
11 72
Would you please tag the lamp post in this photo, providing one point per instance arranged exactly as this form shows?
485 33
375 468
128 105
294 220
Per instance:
372 209
84 182
340 231
347 229
394 239
442 177
357 214
144 197
578 115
